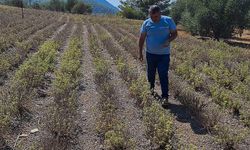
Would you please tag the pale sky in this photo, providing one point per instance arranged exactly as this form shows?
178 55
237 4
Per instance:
114 2
117 2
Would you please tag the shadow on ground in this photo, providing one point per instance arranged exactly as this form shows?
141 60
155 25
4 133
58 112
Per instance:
183 115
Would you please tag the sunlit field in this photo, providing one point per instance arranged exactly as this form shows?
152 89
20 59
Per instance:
74 82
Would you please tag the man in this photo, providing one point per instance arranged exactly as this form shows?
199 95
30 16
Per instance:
158 31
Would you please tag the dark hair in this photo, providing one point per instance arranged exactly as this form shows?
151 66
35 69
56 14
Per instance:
154 9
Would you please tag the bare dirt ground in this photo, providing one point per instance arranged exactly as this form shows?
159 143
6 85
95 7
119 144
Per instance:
88 100
127 111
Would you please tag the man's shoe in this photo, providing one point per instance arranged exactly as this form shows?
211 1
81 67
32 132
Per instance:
153 93
164 102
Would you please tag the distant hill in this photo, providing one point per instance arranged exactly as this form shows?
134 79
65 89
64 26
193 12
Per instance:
99 6
102 7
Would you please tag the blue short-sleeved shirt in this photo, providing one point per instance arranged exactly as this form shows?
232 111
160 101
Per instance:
157 34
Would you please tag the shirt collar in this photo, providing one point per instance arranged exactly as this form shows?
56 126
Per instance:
155 22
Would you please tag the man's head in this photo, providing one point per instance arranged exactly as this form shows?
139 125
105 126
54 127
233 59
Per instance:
155 13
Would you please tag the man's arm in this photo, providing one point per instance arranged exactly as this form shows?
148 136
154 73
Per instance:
173 35
141 43
173 32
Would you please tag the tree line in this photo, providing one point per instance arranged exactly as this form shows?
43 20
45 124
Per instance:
71 6
214 18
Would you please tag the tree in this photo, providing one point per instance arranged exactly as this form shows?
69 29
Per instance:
140 7
178 8
248 20
35 5
81 8
56 5
145 4
216 18
70 4
130 13
16 3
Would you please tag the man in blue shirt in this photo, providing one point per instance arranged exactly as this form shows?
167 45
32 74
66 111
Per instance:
158 31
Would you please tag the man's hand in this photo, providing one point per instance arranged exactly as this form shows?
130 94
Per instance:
166 44
140 57
173 35
141 43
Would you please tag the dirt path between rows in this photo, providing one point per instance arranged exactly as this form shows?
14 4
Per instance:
127 110
88 101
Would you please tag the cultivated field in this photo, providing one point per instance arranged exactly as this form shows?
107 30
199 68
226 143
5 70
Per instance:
74 82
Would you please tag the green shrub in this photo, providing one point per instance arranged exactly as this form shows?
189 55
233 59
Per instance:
81 8
140 90
159 125
206 18
130 13
29 76
228 138
114 140
63 112
4 66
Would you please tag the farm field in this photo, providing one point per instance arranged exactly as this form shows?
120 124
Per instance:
74 82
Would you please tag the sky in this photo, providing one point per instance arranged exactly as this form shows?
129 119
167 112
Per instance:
114 2
117 2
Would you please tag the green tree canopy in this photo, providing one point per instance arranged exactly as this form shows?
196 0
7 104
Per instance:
16 3
138 9
56 5
217 18
130 12
81 8
70 4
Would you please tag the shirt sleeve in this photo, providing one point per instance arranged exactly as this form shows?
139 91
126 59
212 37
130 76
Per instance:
172 25
143 28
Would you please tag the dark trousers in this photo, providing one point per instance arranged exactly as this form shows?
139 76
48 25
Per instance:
161 63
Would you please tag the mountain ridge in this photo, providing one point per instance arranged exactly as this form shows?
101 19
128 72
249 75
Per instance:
102 7
98 6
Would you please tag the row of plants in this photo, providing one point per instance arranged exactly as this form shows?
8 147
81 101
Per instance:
229 136
63 112
15 56
223 66
234 59
25 24
8 19
12 35
215 69
10 23
27 81
211 53
27 34
66 31
11 18
110 128
23 85
126 42
201 82
217 73
208 113
158 122
60 123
